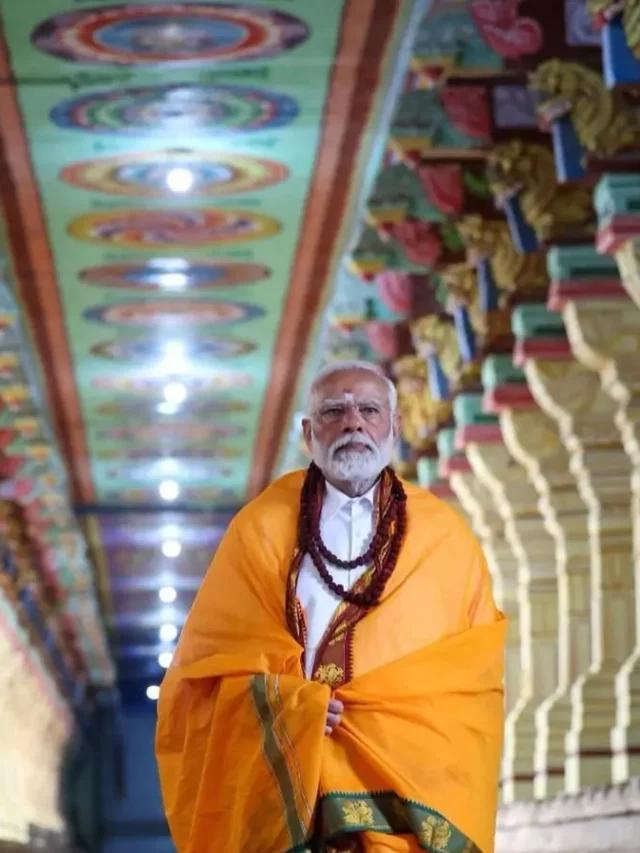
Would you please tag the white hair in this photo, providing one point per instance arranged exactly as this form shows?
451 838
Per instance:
344 367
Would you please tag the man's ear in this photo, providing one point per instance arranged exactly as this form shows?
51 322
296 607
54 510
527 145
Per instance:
306 431
396 423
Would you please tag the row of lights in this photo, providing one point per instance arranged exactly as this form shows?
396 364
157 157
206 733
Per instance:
179 180
175 393
171 548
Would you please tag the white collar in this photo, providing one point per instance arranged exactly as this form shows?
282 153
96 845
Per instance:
335 500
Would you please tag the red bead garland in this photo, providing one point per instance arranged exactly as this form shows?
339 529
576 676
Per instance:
392 524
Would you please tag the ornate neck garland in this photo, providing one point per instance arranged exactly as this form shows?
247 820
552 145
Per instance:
384 550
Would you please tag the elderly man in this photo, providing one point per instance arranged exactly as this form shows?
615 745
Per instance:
338 683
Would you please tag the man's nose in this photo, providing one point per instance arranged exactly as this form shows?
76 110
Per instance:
352 419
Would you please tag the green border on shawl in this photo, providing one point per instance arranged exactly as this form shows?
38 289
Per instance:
276 760
387 813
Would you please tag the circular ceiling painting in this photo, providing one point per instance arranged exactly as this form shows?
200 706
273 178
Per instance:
175 274
173 313
183 470
163 174
151 33
177 108
153 385
163 432
127 409
177 450
189 494
143 350
152 229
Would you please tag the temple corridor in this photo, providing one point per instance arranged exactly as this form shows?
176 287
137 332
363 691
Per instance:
201 203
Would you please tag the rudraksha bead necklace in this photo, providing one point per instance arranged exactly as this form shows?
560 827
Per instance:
389 534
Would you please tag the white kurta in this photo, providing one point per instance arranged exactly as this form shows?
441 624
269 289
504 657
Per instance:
346 526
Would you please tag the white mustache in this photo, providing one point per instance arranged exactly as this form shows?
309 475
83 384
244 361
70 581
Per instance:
352 438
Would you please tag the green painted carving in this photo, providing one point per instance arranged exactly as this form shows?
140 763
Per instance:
446 443
468 411
455 118
449 40
500 370
580 262
427 468
371 255
617 195
412 246
398 194
535 321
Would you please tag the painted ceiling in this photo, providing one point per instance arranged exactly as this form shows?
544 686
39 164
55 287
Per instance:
179 182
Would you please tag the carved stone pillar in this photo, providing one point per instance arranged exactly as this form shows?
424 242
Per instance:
475 427
474 497
571 395
533 440
477 502
604 333
533 555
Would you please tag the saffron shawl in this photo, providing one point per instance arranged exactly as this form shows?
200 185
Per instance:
244 762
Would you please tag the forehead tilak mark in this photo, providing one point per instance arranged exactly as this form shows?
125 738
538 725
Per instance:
346 397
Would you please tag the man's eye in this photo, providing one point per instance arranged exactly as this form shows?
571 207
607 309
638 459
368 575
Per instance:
369 410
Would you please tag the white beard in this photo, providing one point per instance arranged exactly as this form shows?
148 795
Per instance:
356 467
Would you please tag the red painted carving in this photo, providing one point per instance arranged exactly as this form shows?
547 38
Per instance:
395 290
501 28
10 465
467 109
7 437
421 243
443 186
18 489
382 339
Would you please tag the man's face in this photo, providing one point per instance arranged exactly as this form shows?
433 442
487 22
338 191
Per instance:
351 431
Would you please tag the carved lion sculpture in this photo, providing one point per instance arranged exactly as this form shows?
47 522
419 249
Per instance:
421 414
528 170
511 270
603 121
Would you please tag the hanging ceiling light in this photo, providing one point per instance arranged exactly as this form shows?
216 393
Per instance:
174 360
164 659
180 179
175 393
173 280
166 408
167 594
169 490
171 548
168 632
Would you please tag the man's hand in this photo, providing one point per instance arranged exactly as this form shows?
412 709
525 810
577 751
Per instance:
334 715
